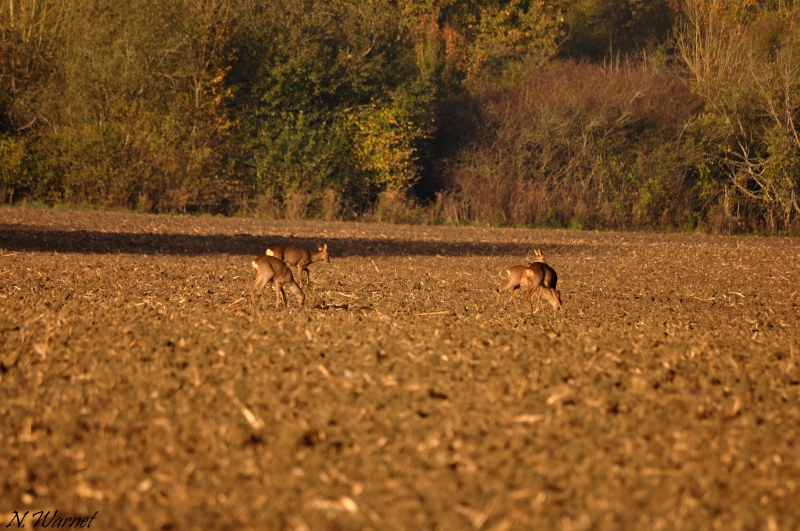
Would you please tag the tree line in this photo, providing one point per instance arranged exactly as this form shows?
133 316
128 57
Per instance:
622 114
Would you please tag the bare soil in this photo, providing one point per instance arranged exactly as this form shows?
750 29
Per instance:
138 380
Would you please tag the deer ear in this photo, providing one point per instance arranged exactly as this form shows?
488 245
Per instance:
324 246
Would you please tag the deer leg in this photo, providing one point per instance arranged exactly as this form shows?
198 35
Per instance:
258 286
539 299
283 297
278 292
528 295
264 282
252 289
500 291
514 298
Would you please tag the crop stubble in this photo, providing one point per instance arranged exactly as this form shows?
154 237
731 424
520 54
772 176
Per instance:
138 381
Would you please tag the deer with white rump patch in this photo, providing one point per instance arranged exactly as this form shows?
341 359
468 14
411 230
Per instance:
268 269
300 258
537 275
542 277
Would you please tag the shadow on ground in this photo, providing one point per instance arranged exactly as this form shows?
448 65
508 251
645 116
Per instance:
40 239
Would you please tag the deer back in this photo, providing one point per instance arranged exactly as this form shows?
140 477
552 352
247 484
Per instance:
534 275
541 274
290 255
516 275
550 277
270 268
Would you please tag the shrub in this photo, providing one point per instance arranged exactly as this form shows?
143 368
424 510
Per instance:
576 144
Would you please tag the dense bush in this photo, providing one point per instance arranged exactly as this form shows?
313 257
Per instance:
745 63
704 137
573 144
577 113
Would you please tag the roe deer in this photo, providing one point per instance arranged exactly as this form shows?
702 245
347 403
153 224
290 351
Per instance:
518 279
542 277
536 275
268 269
300 258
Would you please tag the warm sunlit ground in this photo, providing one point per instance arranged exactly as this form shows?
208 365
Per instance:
138 381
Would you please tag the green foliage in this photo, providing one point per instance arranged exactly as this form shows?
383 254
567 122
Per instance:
337 99
130 107
516 33
337 107
745 62
206 105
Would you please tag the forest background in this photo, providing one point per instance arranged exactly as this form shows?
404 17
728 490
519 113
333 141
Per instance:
615 114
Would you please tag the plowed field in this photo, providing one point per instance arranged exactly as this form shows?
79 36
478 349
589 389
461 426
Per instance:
137 381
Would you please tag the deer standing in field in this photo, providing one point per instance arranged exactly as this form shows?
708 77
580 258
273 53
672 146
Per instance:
300 258
269 269
542 277
517 278
536 275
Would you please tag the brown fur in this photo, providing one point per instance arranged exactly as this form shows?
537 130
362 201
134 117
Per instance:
543 278
300 258
537 275
269 269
